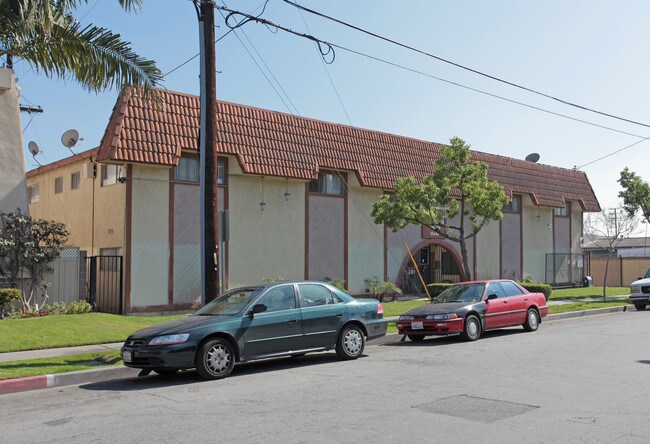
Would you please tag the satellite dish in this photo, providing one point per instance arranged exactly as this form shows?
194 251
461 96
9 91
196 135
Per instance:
33 148
532 157
70 138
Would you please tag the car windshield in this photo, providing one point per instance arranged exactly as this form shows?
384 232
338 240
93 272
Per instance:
229 303
647 274
461 293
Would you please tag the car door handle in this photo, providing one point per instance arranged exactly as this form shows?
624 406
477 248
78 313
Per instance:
340 315
293 321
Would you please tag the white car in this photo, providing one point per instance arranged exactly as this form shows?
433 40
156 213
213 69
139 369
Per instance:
640 292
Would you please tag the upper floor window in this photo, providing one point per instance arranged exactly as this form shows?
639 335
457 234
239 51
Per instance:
564 211
514 206
328 183
110 174
34 194
189 170
75 180
58 185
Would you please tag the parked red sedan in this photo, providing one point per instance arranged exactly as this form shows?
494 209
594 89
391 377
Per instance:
470 308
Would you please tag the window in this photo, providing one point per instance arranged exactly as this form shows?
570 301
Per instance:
110 174
189 170
34 194
312 295
111 259
511 289
75 180
58 185
565 211
279 298
328 183
496 288
514 206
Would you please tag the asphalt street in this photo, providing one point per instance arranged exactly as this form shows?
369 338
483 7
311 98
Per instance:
576 380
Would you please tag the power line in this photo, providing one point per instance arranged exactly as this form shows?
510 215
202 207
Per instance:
458 65
612 153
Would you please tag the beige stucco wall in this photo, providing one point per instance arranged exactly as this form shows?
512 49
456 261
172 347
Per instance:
13 193
365 239
74 208
149 236
265 243
488 252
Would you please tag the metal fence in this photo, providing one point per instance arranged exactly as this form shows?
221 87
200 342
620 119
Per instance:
104 283
565 269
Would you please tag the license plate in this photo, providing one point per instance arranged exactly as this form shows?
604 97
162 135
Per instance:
126 356
416 326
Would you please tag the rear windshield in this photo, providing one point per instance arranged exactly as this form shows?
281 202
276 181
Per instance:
230 303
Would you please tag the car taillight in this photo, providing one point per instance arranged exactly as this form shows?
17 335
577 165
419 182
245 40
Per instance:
380 310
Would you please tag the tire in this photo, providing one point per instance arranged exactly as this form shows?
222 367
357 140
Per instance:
416 338
165 371
532 320
640 307
215 359
472 329
351 342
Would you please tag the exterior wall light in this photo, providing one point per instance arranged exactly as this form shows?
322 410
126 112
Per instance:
286 190
262 203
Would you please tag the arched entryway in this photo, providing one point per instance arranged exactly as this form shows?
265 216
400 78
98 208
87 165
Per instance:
437 262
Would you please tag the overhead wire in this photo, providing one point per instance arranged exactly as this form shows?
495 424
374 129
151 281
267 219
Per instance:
458 65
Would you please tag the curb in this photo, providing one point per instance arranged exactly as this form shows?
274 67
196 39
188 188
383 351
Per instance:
8 386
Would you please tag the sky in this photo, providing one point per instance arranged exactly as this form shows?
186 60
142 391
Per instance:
589 52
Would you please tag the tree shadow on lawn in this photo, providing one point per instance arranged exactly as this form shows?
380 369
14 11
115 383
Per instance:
433 341
191 377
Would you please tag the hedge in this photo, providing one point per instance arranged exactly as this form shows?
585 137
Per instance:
538 288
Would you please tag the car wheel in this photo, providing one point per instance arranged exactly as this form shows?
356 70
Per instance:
350 343
416 338
472 330
532 320
640 307
215 359
165 371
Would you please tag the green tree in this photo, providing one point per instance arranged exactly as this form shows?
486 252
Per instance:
46 35
635 194
29 245
458 187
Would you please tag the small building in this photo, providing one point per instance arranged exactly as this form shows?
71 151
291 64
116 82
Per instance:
298 194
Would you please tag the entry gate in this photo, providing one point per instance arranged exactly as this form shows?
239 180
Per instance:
104 283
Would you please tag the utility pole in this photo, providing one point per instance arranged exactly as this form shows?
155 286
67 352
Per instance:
208 157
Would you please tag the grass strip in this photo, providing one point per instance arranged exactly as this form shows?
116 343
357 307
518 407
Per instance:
587 292
59 364
579 306
70 330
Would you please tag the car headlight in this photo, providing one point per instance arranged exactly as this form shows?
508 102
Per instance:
443 317
406 318
169 339
635 289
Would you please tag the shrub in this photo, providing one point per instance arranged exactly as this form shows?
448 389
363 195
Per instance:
538 288
7 296
61 308
379 289
436 289
338 283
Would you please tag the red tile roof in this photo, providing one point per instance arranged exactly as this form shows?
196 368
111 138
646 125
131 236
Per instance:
271 143
63 162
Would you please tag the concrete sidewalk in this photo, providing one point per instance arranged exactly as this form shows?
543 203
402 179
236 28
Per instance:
56 352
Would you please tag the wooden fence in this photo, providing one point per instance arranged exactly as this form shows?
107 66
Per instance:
622 271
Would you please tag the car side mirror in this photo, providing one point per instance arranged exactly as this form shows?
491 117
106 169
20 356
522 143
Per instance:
491 296
257 308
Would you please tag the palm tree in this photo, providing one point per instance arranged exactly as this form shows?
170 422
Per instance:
45 34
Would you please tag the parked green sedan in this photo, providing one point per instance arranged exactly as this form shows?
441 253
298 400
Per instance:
265 321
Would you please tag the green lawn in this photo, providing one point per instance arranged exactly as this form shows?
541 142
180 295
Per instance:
398 307
578 306
587 292
70 330
62 364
